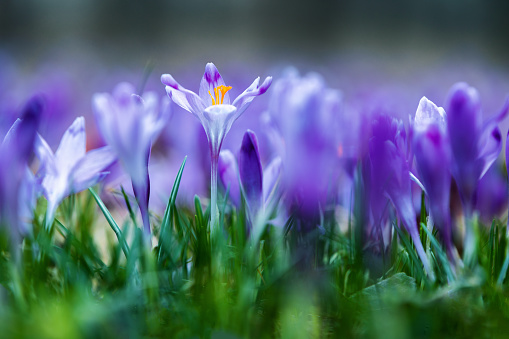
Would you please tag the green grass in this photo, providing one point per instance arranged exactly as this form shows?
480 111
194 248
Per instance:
73 283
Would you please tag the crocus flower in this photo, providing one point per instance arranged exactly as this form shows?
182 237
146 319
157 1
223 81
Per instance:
306 114
257 184
475 146
130 123
213 108
390 174
433 158
70 169
14 154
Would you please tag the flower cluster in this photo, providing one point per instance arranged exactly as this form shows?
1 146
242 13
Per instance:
314 155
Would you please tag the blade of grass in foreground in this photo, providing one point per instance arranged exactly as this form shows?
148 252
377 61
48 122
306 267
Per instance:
112 222
167 213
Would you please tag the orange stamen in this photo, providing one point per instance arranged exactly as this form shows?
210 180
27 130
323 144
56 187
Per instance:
219 90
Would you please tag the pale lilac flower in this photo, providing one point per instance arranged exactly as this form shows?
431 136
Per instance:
70 169
212 106
130 124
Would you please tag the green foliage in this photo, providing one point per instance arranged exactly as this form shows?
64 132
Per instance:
249 279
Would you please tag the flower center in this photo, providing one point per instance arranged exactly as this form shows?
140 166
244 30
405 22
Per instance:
219 93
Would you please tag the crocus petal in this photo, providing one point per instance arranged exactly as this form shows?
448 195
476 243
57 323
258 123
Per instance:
185 98
72 146
271 175
211 79
497 118
217 121
244 99
45 155
490 147
88 171
227 170
428 113
250 170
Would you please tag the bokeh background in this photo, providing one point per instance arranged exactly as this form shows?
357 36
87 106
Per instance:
378 53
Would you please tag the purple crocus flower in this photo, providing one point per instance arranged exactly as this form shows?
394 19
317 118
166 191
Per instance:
14 154
130 123
475 146
433 158
70 169
305 112
212 107
258 185
390 174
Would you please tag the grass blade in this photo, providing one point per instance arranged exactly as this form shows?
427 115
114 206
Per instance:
111 222
167 213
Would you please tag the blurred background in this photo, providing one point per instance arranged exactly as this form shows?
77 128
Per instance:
387 54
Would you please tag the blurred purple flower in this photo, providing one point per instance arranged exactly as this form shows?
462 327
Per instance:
14 154
257 184
305 113
390 174
433 158
129 123
475 145
212 107
70 169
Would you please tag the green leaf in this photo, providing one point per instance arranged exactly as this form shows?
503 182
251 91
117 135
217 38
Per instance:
111 222
167 213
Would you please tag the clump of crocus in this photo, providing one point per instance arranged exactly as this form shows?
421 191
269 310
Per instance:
70 169
15 151
258 185
130 123
433 158
212 106
390 176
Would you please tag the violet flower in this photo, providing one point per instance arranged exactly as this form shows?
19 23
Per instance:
306 114
258 185
212 107
14 154
130 123
433 158
475 146
390 174
70 169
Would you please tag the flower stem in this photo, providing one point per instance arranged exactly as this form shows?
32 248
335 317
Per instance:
214 212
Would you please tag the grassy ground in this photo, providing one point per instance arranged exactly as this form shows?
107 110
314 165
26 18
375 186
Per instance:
221 283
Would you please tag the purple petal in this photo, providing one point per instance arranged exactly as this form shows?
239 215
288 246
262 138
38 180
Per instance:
243 100
211 79
490 147
72 146
185 98
89 170
250 169
228 174
271 176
